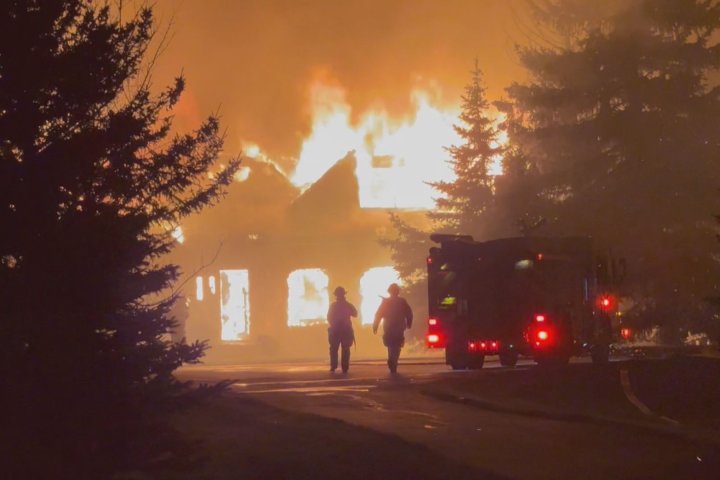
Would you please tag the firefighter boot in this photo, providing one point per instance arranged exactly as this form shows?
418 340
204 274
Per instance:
393 356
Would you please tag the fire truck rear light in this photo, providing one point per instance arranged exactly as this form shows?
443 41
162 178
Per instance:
429 260
542 335
433 338
539 318
483 345
472 346
606 302
432 321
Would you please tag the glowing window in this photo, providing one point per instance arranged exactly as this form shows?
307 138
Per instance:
373 285
199 293
234 305
211 284
307 297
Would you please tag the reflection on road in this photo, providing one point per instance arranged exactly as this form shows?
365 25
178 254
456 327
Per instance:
522 422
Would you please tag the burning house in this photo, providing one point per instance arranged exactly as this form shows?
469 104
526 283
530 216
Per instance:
260 266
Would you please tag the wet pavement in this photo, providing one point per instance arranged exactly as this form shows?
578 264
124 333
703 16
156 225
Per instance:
582 421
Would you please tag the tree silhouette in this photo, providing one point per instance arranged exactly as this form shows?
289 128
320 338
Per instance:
465 205
91 180
464 202
616 138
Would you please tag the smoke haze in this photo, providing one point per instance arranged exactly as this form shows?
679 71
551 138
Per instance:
253 61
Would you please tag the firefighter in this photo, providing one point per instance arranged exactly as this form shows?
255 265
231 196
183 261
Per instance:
340 331
396 315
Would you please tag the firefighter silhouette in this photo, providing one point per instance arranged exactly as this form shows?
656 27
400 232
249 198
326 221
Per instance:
340 331
396 316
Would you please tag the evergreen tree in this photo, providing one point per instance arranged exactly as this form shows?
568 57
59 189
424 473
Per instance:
90 176
408 249
465 205
465 202
616 136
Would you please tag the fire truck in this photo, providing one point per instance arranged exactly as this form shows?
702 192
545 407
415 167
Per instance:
540 297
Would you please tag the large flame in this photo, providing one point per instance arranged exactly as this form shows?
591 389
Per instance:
307 297
395 158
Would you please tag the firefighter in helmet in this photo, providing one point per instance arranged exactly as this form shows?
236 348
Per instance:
396 315
340 331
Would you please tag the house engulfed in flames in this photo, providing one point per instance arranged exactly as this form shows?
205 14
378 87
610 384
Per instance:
261 266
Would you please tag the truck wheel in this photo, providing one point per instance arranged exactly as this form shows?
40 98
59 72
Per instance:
508 359
458 364
456 358
476 362
600 354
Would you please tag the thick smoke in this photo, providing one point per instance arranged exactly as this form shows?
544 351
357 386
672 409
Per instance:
253 60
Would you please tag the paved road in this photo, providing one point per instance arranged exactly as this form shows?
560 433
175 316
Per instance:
579 422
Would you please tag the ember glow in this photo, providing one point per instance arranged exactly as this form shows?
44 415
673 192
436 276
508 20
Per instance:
502 139
373 286
199 290
395 158
178 234
234 305
308 300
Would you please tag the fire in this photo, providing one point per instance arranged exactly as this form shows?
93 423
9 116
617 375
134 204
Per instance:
178 234
373 286
395 159
308 299
234 304
501 140
252 150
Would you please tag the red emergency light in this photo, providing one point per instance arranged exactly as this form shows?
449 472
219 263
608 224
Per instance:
433 338
625 333
606 302
432 321
539 318
488 346
543 335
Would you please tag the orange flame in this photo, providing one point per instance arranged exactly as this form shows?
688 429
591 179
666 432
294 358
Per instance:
395 159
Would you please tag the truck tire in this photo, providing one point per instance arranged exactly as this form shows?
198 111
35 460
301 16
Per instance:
508 359
476 362
458 364
456 358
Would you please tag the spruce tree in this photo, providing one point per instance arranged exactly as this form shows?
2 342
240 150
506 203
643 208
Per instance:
464 202
464 205
91 176
616 131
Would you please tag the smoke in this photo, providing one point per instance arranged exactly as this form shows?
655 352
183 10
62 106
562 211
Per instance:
254 61
257 64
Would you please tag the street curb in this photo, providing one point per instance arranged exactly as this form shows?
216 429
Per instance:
684 433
